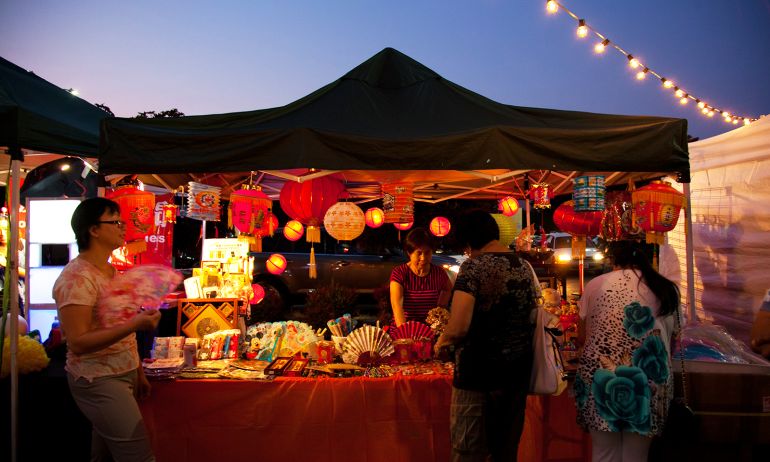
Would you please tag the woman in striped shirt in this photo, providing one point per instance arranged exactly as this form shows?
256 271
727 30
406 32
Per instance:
418 285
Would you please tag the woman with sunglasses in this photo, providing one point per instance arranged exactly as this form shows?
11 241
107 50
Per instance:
104 372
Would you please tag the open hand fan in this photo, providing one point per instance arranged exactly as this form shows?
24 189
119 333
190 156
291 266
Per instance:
298 336
141 286
412 329
367 345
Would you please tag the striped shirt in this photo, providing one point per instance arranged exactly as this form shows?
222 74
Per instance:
420 292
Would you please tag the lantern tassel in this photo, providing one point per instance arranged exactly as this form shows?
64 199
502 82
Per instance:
230 217
312 272
313 234
135 247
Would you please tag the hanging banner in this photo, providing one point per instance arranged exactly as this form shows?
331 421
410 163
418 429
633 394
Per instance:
398 202
203 201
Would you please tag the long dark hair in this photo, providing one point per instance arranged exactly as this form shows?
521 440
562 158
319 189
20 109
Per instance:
630 254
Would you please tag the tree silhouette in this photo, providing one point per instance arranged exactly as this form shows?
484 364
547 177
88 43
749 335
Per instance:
159 115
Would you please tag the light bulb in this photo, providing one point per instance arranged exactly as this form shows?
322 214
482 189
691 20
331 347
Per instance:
551 6
582 29
640 75
633 62
711 114
701 104
705 110
746 121
725 114
728 119
679 93
683 100
601 46
735 121
667 83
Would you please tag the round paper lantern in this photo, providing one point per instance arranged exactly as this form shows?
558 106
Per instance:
307 202
276 263
344 221
508 206
656 209
293 230
249 213
403 226
258 294
440 226
375 217
577 223
137 212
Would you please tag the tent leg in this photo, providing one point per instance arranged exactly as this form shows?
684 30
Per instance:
12 271
689 254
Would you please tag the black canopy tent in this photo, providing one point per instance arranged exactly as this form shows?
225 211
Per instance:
389 115
36 116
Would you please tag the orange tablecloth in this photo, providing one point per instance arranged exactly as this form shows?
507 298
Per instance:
358 419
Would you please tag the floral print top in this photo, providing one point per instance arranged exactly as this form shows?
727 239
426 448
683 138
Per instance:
624 380
81 283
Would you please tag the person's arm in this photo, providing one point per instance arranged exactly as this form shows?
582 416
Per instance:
760 334
445 294
459 320
81 339
397 302
143 386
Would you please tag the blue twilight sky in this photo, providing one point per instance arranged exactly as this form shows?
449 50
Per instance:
211 57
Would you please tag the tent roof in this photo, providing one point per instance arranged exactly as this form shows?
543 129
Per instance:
391 114
744 144
36 114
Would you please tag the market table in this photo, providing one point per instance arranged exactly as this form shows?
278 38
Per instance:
399 418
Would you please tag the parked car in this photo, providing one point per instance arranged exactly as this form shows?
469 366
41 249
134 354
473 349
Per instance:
363 273
564 260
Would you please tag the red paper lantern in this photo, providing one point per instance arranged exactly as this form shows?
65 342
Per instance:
398 202
293 230
307 202
403 226
249 213
276 263
508 206
137 211
656 209
440 226
540 195
169 213
273 221
577 223
375 217
618 222
258 294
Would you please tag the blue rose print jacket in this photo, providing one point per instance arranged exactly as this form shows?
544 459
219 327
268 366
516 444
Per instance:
624 380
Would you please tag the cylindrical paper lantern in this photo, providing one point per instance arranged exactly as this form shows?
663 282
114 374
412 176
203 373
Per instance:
293 230
440 226
276 263
136 210
508 206
540 195
656 209
507 228
398 202
249 213
375 217
403 226
307 202
344 221
588 193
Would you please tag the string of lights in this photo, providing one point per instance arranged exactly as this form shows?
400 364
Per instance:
684 97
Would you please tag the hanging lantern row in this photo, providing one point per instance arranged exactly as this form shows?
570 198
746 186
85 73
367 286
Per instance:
249 212
344 221
588 193
398 202
508 206
440 226
375 217
137 212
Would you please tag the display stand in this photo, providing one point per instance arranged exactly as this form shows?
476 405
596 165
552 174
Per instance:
197 317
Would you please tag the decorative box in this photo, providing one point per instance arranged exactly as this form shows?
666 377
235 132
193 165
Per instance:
296 367
278 366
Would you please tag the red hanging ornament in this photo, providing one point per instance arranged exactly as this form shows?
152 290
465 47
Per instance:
656 209
541 196
374 217
169 213
136 210
508 206
249 213
579 224
307 202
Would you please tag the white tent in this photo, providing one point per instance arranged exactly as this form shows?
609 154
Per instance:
730 198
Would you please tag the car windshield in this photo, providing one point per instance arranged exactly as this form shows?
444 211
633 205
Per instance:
562 242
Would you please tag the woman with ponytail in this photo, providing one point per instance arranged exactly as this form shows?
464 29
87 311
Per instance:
624 382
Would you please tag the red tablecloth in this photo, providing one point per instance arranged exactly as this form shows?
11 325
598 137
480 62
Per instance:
356 419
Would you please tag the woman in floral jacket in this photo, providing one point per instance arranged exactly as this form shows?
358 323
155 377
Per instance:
624 382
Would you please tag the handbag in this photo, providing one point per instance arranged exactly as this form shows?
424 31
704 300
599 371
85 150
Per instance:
681 422
547 377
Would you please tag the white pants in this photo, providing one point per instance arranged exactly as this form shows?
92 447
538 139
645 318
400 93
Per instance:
619 447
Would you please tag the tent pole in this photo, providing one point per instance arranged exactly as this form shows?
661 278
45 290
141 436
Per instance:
12 271
689 254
